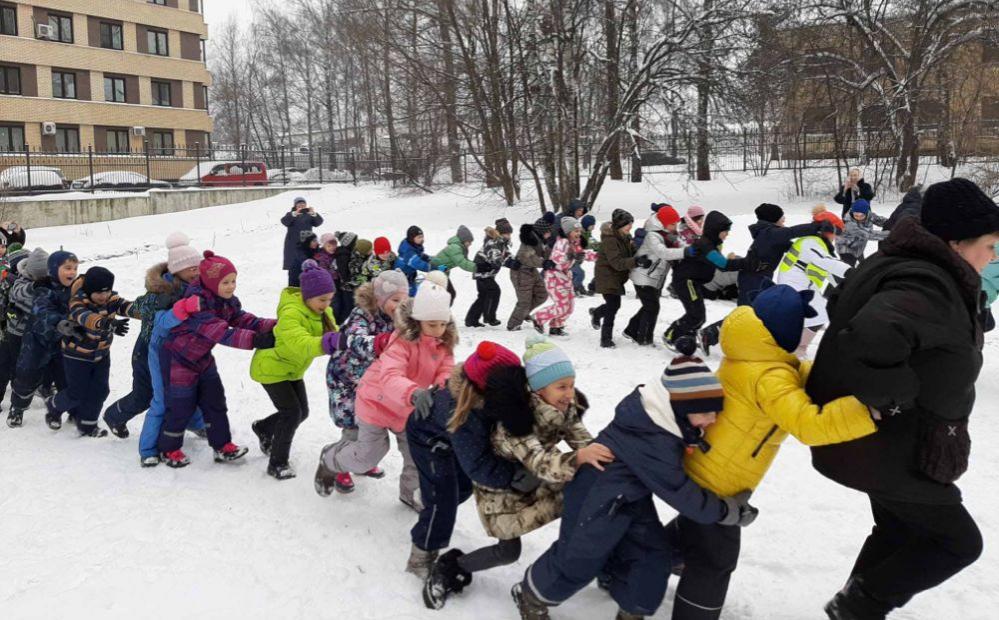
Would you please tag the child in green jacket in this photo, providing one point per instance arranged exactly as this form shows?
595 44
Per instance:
455 256
305 330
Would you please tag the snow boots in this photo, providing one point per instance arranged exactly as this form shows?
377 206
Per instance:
263 438
529 606
230 452
326 479
118 430
280 472
52 417
594 319
150 461
175 459
15 418
420 561
446 577
852 603
94 432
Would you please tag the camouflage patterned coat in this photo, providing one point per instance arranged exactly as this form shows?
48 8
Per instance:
507 514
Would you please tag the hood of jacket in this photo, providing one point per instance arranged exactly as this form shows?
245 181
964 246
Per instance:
639 417
160 281
910 240
653 225
715 223
491 233
744 338
364 298
760 226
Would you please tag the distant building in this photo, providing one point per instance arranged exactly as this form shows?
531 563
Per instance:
111 74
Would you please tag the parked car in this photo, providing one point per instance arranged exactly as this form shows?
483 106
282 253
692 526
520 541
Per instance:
42 177
226 174
661 158
328 176
119 180
288 175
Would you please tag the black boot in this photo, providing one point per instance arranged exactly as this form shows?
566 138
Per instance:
262 437
852 603
15 418
529 606
594 319
445 578
607 343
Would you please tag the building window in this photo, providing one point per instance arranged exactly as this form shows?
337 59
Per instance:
10 81
156 42
62 27
117 141
159 2
114 89
63 85
8 20
163 143
67 139
11 138
204 90
161 93
204 53
111 36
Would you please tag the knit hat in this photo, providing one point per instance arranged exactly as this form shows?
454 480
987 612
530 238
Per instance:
503 226
861 206
549 216
820 214
619 219
346 238
381 246
431 303
545 363
767 212
694 211
298 199
783 311
588 221
958 209
327 238
413 232
56 260
35 266
213 270
315 280
180 254
388 283
488 355
569 224
659 205
363 247
437 277
667 216
692 387
574 205
464 235
97 280
542 226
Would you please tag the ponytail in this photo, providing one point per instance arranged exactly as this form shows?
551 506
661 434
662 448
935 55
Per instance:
468 395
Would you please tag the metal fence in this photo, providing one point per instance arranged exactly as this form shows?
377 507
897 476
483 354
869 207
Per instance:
32 170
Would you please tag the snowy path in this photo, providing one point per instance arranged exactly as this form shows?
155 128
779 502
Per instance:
87 533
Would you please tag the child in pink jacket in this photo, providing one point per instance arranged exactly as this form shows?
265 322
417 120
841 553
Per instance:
418 356
558 278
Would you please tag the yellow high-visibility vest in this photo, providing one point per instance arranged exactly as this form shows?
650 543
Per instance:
792 260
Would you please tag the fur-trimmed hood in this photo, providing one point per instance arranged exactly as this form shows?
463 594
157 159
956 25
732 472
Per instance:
528 236
364 298
491 233
156 282
409 328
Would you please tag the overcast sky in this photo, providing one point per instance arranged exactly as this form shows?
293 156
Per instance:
217 11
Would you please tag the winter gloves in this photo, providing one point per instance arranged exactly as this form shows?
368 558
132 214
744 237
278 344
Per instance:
119 327
423 402
263 340
333 342
740 512
512 264
186 307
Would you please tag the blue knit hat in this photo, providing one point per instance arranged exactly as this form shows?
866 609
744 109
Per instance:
545 363
56 259
588 222
861 205
783 311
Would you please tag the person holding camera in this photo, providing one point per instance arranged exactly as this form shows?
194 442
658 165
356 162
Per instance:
299 221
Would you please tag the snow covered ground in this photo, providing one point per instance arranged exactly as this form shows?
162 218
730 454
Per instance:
85 532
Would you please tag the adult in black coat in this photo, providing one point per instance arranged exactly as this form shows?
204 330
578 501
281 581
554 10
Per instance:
905 339
299 222
771 239
853 189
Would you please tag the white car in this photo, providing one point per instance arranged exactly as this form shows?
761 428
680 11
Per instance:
119 179
329 176
42 177
288 175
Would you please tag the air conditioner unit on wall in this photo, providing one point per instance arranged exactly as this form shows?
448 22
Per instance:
138 131
43 31
48 128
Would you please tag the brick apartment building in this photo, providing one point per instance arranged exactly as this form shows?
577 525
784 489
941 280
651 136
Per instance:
111 74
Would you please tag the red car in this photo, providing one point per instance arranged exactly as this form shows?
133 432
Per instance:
227 174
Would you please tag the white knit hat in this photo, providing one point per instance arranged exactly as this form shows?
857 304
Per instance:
180 254
432 303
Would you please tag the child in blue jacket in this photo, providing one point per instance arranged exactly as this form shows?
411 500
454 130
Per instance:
610 527
412 258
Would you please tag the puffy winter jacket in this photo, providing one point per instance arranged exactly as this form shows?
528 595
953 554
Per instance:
531 255
411 260
856 234
765 400
453 256
911 206
346 367
904 337
507 514
298 339
373 266
410 361
662 249
615 261
708 257
489 259
298 227
163 290
220 321
20 301
41 340
95 319
771 241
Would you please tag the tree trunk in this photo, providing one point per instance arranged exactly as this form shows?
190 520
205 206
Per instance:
450 98
613 83
387 89
703 99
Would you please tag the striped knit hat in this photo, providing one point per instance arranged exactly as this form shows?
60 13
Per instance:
692 387
545 363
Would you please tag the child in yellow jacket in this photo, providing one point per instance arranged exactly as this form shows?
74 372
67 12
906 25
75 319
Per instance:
765 401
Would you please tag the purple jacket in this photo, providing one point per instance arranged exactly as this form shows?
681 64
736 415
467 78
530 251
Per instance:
221 321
